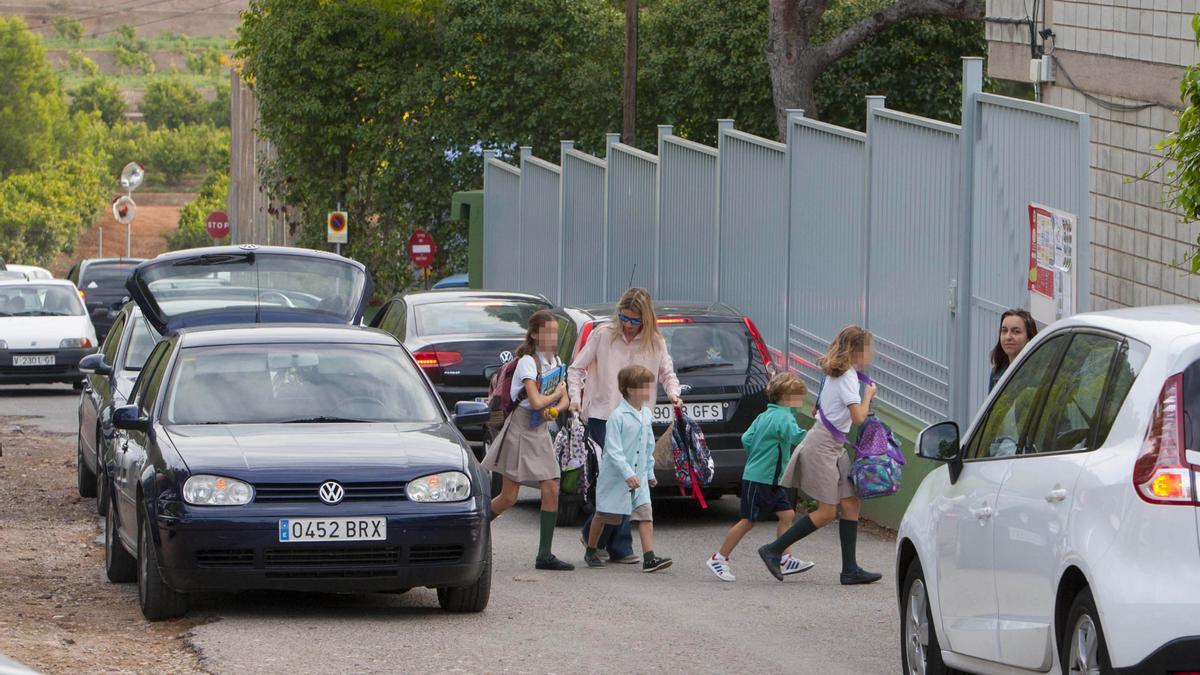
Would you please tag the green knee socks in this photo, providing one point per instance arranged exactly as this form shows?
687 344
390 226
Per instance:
547 534
799 530
848 533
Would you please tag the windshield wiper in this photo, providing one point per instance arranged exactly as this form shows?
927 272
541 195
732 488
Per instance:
702 366
322 418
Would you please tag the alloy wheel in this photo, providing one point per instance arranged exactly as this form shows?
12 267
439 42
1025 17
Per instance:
1085 648
916 629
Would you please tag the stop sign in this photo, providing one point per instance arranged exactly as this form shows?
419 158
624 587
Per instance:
217 224
421 249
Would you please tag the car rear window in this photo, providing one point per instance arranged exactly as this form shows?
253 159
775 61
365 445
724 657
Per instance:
106 280
486 317
39 300
707 347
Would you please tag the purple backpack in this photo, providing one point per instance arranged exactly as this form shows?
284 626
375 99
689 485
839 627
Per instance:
877 460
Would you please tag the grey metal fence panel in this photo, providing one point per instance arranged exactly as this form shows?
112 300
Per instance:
1010 132
501 222
687 220
631 213
583 239
910 263
826 286
540 229
754 232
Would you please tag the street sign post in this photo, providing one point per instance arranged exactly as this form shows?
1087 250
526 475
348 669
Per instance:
123 207
337 228
217 225
421 251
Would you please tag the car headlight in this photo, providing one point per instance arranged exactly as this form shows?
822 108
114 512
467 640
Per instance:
449 486
201 490
75 343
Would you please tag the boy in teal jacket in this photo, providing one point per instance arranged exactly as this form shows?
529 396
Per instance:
769 443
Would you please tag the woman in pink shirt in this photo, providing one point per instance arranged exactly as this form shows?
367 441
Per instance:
631 338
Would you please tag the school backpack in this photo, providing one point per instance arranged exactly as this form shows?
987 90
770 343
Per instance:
572 447
693 461
500 400
877 460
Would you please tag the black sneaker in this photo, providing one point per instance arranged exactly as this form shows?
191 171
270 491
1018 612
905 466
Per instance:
593 560
772 560
553 564
860 576
601 553
655 564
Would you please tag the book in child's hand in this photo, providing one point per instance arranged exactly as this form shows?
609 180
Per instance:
547 383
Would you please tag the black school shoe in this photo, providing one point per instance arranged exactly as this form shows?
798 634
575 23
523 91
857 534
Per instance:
655 564
592 560
860 576
772 560
553 564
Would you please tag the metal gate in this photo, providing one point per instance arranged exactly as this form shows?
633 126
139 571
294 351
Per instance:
501 222
631 208
539 243
687 219
581 263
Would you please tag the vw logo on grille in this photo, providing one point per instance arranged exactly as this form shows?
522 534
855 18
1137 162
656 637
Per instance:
505 357
684 388
331 492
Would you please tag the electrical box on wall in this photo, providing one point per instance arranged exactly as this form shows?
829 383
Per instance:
1041 70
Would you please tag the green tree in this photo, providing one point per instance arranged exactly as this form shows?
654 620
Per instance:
131 52
78 62
33 110
102 95
205 62
68 28
173 154
218 108
1181 153
170 102
192 231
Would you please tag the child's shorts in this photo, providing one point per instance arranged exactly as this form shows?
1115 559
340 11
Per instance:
760 500
641 513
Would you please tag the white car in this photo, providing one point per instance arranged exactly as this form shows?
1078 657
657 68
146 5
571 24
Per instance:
44 332
31 272
1061 535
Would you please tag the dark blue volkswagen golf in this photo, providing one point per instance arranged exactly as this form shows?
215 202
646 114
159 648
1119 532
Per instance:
297 453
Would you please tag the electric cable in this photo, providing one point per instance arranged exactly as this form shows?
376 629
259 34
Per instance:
1107 105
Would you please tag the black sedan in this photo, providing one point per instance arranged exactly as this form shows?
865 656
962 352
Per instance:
292 456
111 374
459 336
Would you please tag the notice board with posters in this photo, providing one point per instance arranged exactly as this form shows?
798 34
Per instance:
1052 269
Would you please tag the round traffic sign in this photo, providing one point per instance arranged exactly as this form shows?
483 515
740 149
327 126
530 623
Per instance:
217 224
123 209
421 249
337 221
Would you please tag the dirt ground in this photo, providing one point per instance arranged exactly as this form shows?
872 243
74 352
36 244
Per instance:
154 222
58 614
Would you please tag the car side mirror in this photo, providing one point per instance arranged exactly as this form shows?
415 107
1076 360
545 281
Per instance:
940 443
129 417
94 363
471 414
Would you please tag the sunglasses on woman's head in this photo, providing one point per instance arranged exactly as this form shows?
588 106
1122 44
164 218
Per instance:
631 321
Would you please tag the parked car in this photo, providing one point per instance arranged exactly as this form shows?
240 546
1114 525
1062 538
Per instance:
110 376
453 281
31 271
723 367
44 332
1061 530
456 336
101 283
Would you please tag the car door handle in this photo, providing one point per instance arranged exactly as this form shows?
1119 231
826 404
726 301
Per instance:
1056 495
982 513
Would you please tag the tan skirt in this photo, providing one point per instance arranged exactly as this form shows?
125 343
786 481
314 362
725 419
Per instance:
523 454
820 467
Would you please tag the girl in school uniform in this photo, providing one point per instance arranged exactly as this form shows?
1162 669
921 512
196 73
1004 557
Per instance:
820 466
522 453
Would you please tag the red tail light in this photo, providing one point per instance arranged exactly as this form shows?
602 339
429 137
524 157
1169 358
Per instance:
758 342
584 333
1161 475
434 359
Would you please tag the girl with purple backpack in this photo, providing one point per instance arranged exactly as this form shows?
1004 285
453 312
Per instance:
821 466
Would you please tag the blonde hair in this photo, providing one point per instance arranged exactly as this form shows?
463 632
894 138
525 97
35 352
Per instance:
638 300
784 385
632 377
839 359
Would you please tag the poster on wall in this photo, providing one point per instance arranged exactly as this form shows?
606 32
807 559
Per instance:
1051 263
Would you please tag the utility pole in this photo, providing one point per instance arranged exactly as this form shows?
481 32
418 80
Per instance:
629 90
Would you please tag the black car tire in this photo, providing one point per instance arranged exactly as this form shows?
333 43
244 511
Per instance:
101 480
119 566
1083 613
85 476
570 510
497 484
158 600
469 599
932 650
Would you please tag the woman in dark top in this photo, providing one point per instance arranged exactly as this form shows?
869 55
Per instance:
1017 328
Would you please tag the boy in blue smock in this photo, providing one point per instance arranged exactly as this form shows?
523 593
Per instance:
768 442
627 469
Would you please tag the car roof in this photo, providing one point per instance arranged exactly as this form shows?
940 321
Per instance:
109 261
267 333
1157 326
668 308
449 294
39 282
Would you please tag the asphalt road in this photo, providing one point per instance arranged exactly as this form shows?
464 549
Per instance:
616 619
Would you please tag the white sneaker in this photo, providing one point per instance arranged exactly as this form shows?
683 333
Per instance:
721 568
792 565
